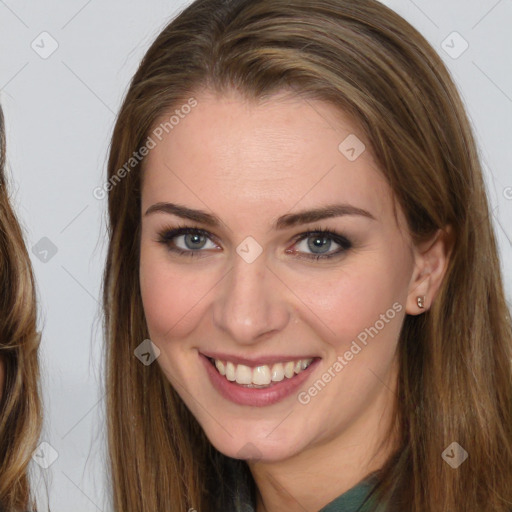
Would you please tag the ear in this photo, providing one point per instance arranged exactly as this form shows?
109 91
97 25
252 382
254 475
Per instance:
430 263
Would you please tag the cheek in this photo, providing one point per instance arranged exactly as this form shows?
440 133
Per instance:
159 292
362 301
171 297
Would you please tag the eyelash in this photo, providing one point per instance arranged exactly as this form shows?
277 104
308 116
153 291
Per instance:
166 237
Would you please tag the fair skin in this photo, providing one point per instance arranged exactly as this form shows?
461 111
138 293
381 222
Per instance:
249 164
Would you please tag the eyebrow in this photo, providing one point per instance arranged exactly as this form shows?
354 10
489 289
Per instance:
283 222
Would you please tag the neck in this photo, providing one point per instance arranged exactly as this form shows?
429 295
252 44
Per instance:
311 479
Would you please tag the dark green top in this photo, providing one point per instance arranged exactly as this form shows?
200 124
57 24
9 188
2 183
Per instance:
351 500
238 496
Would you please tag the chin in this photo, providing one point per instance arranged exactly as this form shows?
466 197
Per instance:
252 443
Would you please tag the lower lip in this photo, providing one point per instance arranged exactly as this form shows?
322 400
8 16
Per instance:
257 397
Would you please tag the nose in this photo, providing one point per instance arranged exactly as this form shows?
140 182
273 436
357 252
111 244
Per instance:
251 302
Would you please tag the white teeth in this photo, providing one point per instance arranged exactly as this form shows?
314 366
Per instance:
262 375
220 366
243 374
230 371
277 372
289 369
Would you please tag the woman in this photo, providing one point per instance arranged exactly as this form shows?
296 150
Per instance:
298 223
20 414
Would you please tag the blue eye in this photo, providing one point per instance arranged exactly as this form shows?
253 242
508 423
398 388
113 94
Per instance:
318 241
193 240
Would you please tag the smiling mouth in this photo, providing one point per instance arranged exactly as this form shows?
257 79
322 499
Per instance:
263 376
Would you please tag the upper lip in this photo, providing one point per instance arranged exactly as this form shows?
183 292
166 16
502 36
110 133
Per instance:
255 361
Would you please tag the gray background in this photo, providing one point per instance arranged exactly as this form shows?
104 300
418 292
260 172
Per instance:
60 110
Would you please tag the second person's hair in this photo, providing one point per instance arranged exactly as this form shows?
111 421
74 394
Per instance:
20 402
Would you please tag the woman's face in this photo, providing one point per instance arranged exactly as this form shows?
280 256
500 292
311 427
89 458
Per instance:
247 290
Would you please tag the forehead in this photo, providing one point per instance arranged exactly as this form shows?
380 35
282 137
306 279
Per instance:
237 154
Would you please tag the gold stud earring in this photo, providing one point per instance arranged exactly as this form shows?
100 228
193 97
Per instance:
421 301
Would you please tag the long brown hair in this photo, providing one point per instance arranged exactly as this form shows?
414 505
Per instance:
455 359
20 403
